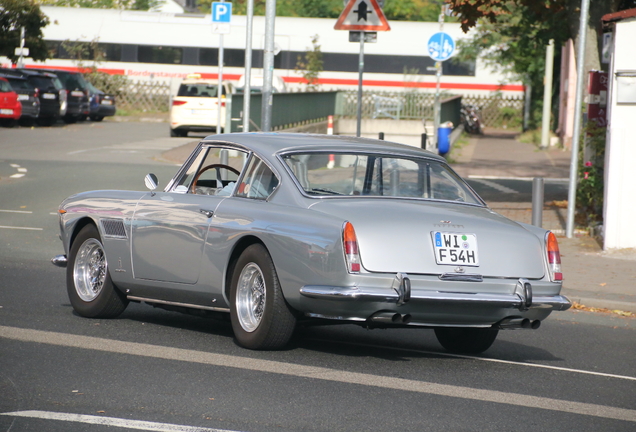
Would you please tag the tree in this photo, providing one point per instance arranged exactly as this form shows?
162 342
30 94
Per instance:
555 12
398 10
15 14
311 65
106 4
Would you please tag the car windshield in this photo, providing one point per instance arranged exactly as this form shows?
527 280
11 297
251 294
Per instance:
199 90
359 174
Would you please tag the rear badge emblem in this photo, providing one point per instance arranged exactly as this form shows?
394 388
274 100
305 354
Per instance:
445 222
460 269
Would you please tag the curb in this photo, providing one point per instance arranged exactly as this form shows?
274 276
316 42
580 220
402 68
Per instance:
604 303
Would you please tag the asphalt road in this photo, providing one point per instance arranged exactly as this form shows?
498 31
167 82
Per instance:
151 369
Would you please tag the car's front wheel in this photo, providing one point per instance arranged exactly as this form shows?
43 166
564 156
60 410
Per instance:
261 319
90 289
466 340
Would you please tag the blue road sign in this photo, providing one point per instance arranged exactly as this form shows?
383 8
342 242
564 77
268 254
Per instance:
441 46
221 12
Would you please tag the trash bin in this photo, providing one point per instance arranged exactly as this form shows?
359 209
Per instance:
443 137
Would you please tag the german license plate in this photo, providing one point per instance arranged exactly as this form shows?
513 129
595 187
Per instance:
77 93
22 97
6 111
48 96
199 112
455 248
107 102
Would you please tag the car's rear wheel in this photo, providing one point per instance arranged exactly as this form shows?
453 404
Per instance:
90 289
466 340
178 133
261 319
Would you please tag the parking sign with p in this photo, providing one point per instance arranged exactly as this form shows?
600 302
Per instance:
221 12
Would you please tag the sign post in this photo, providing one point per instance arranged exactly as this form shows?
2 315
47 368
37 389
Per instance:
440 47
221 18
362 16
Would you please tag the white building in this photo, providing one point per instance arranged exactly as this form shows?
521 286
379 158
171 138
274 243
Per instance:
619 211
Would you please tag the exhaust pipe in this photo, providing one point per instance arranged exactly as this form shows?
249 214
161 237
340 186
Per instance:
386 317
390 318
515 323
535 324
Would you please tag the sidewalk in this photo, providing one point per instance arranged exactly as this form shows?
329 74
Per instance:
592 277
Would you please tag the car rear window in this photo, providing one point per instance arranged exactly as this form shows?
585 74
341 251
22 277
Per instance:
43 83
199 90
20 84
360 174
4 86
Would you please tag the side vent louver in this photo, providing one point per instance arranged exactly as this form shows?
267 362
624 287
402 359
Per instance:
114 228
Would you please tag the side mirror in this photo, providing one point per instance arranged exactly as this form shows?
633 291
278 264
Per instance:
151 181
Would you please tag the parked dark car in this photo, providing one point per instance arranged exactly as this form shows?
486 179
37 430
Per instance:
28 97
102 104
10 106
78 107
51 93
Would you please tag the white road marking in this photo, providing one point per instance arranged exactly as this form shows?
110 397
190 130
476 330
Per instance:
15 166
16 211
486 359
496 186
21 228
111 421
315 372
22 170
16 175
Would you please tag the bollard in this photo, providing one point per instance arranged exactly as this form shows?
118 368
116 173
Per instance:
423 144
537 201
381 136
330 125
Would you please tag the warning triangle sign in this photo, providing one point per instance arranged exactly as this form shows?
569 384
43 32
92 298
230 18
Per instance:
362 15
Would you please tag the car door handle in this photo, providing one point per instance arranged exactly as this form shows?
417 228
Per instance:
208 213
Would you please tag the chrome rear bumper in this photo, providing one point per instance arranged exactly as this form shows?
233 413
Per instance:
384 295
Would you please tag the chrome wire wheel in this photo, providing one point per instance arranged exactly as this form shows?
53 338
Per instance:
89 271
250 297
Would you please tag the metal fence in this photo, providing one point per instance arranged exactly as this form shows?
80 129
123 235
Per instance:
146 96
496 110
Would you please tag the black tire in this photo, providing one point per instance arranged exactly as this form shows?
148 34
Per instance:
466 340
270 323
178 133
90 289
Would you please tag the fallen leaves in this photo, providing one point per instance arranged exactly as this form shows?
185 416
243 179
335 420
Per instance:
579 306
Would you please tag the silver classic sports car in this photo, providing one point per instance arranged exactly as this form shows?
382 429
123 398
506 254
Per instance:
279 230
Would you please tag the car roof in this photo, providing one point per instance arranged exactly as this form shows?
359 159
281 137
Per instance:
54 71
26 72
272 143
9 76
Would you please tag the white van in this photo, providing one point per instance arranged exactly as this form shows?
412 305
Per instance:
195 106
278 85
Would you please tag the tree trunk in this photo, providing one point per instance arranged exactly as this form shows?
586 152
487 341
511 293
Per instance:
594 33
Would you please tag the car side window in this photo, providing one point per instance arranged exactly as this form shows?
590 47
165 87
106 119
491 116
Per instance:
259 181
213 172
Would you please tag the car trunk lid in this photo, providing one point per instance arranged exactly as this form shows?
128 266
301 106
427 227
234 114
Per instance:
399 235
